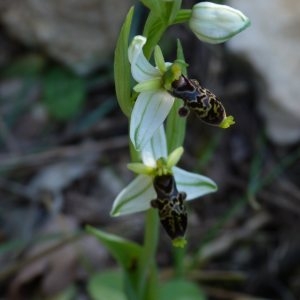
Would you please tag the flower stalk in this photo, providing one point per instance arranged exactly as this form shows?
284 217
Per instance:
163 92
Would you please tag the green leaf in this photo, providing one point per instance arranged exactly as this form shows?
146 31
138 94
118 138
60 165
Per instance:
154 5
172 8
127 253
165 11
64 93
122 67
106 285
179 289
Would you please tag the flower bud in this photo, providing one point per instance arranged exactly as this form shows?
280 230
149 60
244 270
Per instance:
215 23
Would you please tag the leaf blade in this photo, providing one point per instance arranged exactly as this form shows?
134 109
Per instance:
122 75
124 251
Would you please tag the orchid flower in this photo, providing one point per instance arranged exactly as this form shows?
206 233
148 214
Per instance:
153 102
138 194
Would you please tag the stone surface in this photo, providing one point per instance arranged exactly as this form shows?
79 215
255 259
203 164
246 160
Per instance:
79 33
272 43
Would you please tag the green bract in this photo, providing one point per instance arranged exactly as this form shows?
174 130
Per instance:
156 161
215 23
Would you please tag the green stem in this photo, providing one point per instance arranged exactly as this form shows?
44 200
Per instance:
175 127
147 265
178 256
148 279
183 16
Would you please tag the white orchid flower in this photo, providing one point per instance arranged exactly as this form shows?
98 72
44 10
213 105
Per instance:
153 102
216 23
138 194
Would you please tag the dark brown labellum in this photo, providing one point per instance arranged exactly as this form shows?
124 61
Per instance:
170 205
198 99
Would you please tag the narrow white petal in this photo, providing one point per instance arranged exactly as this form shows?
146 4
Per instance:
136 46
194 185
148 114
155 148
135 197
141 69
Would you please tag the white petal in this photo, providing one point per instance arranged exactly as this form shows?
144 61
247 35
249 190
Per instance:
148 114
136 46
135 197
194 185
155 148
141 69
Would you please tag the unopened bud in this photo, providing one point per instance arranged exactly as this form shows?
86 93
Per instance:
215 23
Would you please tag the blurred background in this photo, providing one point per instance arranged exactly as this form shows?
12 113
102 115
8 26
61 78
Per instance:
64 149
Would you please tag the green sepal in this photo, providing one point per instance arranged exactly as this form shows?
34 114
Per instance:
159 59
122 75
174 157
